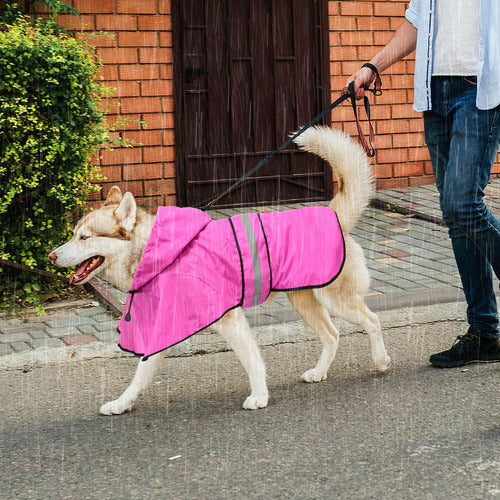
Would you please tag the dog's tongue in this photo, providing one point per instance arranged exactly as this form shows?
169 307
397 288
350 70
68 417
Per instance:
78 272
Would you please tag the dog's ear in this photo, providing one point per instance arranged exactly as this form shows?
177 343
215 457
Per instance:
126 212
114 196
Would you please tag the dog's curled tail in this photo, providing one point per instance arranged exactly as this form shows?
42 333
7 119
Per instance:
351 168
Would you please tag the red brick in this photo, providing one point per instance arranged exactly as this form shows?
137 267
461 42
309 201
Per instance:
159 121
142 171
156 88
167 104
166 72
160 154
108 72
146 137
333 8
357 8
135 7
343 54
382 171
94 6
372 23
408 169
418 154
155 23
165 39
85 338
121 156
116 23
164 7
105 40
139 72
71 22
342 23
392 156
159 187
403 111
112 174
422 180
137 39
392 183
381 38
125 88
356 38
117 55
155 55
407 140
140 105
389 9
416 125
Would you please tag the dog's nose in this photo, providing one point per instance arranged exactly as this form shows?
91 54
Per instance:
52 257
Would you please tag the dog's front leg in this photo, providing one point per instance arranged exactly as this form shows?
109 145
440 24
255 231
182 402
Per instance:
236 331
146 370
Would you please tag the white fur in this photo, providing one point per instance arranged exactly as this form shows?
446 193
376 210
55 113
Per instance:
343 298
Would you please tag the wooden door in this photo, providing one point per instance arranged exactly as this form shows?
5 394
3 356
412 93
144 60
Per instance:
247 74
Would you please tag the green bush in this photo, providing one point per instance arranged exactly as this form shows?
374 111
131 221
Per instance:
51 127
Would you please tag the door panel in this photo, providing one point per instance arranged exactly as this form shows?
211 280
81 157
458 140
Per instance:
247 74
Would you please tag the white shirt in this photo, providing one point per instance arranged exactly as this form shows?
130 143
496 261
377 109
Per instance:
456 37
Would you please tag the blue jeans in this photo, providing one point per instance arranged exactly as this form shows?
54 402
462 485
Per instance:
463 142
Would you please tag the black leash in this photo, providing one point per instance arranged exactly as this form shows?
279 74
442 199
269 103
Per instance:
347 93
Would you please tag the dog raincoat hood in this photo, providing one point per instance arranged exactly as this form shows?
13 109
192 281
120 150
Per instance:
195 269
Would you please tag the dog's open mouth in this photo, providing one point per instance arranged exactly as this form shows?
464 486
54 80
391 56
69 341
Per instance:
85 269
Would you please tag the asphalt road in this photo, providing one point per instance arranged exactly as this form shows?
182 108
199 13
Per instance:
416 432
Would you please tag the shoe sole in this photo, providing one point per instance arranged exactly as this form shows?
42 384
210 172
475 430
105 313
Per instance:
459 364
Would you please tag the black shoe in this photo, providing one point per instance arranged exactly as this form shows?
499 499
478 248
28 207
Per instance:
468 348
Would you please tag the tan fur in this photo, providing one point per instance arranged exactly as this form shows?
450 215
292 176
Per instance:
119 231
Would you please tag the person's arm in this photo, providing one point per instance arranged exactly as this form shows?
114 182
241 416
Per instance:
402 43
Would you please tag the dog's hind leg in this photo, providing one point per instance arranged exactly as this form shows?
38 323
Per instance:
146 370
236 331
352 308
316 316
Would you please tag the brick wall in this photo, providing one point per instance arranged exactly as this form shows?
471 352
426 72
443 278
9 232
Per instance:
137 61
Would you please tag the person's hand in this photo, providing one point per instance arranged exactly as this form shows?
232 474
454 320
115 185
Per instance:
362 79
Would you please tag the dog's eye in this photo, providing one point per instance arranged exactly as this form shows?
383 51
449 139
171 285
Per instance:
83 237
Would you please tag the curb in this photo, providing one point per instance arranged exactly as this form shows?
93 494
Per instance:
210 343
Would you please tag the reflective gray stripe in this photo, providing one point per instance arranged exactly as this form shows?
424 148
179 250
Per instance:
257 271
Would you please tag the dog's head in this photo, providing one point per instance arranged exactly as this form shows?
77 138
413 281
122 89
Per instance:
106 241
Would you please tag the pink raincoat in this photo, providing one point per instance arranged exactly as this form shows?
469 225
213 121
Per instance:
194 270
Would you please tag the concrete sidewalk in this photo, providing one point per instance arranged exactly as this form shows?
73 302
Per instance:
408 252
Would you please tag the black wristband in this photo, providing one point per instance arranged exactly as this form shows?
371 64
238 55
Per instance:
372 67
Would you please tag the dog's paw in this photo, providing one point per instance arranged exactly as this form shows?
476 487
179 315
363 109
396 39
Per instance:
115 407
384 365
255 402
313 376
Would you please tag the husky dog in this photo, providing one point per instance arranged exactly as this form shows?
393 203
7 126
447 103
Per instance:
110 241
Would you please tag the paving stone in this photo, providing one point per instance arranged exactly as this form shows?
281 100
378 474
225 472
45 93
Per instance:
46 343
107 336
69 322
90 311
20 346
101 318
87 329
39 334
11 338
106 325
62 332
5 349
79 339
